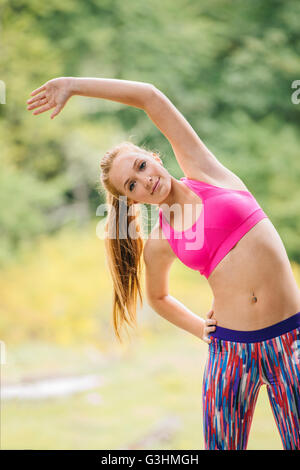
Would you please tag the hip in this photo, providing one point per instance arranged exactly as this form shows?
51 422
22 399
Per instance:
248 359
288 325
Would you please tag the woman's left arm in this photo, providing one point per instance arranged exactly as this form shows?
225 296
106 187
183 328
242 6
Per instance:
136 94
56 92
192 155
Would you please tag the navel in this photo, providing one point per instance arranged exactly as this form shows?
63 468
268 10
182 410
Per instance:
254 298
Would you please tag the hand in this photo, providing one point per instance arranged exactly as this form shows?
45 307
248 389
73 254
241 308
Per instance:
53 94
210 325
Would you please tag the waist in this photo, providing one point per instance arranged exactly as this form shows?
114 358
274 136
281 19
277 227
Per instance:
259 260
254 285
235 236
262 334
264 304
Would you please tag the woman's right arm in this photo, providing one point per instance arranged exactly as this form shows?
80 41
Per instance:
175 312
158 263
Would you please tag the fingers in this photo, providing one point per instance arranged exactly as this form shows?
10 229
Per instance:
37 90
37 103
206 340
208 329
43 109
36 98
206 337
210 314
56 111
210 326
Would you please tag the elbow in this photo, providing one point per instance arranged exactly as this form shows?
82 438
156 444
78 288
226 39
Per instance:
155 301
152 96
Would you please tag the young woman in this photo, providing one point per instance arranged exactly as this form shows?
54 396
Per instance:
227 237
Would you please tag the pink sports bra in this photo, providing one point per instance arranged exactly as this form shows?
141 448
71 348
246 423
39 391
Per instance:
226 216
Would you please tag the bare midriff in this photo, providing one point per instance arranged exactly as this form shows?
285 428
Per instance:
254 285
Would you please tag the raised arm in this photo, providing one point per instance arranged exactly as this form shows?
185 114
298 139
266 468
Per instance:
194 158
136 94
192 155
56 92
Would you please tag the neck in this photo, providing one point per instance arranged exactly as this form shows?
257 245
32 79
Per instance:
179 194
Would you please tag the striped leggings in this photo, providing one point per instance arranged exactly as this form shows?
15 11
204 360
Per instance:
238 363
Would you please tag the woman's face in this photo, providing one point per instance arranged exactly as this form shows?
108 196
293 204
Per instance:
134 174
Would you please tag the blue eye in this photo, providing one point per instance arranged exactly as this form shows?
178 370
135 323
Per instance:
141 167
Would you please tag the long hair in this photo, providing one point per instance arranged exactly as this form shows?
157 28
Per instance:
123 244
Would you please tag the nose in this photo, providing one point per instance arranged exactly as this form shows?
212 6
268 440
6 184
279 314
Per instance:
149 181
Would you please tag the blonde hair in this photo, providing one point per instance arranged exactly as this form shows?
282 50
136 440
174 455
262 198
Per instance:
124 255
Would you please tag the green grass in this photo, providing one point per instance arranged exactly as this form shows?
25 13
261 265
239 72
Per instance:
154 377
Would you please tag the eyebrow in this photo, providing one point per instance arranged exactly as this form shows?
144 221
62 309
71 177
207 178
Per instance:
135 161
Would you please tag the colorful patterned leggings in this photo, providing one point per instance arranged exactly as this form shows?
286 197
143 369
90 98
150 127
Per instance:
238 363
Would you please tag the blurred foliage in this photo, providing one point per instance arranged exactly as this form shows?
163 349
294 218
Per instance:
227 65
61 293
58 293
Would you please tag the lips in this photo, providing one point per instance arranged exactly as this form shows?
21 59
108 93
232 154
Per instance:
154 187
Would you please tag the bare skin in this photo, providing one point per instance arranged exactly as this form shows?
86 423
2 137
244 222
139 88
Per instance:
253 285
263 293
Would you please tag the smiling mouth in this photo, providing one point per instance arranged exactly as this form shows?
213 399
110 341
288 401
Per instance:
155 186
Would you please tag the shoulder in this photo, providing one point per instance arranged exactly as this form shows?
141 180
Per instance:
224 179
157 247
